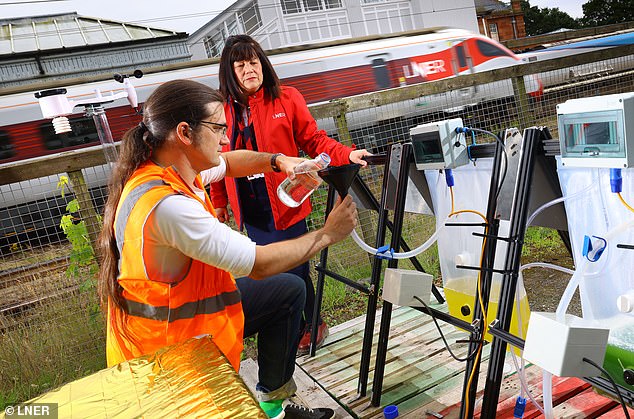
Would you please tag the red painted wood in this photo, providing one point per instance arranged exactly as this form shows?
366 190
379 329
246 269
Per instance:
617 413
587 404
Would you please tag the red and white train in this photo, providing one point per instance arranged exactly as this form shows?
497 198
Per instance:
320 72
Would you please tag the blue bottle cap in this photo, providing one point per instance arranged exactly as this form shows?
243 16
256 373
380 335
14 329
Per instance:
390 412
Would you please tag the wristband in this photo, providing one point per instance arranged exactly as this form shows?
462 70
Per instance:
274 162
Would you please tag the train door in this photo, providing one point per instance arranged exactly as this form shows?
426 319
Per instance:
463 64
7 150
380 70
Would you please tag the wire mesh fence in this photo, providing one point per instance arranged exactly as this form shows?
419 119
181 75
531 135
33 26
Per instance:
51 328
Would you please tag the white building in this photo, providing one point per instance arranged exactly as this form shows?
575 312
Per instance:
281 23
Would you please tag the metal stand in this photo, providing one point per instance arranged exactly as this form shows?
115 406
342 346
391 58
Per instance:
517 228
472 367
369 201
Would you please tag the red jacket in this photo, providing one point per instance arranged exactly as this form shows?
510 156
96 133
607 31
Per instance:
284 125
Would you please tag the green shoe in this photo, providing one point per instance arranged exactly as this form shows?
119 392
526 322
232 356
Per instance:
273 408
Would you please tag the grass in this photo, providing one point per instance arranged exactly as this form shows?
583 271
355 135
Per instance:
51 344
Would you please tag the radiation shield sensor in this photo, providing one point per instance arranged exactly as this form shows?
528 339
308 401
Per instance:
594 131
436 145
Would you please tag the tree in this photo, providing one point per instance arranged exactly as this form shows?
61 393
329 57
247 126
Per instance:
606 12
539 21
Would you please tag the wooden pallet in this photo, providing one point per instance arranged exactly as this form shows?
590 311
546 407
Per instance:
422 379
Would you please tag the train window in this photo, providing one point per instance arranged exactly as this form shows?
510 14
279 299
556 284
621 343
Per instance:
6 148
462 59
83 132
490 50
379 67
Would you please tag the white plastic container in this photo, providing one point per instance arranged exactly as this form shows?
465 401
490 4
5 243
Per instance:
293 192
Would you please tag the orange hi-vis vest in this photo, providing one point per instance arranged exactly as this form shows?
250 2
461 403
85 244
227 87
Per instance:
156 314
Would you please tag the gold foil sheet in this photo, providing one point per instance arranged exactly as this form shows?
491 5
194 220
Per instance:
190 379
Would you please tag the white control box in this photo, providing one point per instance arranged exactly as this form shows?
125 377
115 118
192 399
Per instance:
401 285
436 145
594 131
559 348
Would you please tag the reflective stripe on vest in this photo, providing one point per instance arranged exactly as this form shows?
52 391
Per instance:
186 311
126 208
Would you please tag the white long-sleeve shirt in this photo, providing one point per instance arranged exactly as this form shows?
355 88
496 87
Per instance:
180 228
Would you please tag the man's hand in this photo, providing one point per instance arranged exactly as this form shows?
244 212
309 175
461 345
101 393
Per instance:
287 163
356 157
282 256
341 220
223 214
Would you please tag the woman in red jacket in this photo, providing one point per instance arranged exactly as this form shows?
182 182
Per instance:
263 115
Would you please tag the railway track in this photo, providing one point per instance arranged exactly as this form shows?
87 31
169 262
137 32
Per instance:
24 290
15 276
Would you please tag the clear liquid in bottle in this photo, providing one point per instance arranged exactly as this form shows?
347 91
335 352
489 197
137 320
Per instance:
292 192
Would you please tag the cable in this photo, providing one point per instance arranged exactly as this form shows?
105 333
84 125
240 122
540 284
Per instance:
452 200
625 203
506 158
616 388
468 357
484 320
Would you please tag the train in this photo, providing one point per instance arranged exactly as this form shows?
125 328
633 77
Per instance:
321 72
574 74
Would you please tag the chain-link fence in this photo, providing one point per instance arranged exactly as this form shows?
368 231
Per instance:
51 329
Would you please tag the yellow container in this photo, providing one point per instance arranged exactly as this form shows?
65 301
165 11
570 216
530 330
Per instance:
460 294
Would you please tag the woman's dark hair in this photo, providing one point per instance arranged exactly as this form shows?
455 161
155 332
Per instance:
244 48
170 104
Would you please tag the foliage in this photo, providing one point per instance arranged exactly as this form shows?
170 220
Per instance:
606 12
544 20
539 242
82 261
82 253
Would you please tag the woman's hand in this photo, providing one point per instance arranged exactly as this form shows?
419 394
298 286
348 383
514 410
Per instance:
356 157
223 214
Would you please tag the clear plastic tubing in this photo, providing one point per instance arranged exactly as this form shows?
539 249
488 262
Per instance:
576 277
404 255
547 387
547 266
522 376
584 191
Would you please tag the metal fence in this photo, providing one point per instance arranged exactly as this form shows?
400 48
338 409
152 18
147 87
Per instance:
51 329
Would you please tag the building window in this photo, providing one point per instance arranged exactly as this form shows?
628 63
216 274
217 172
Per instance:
212 48
299 6
291 6
373 1
493 31
215 43
6 148
250 18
